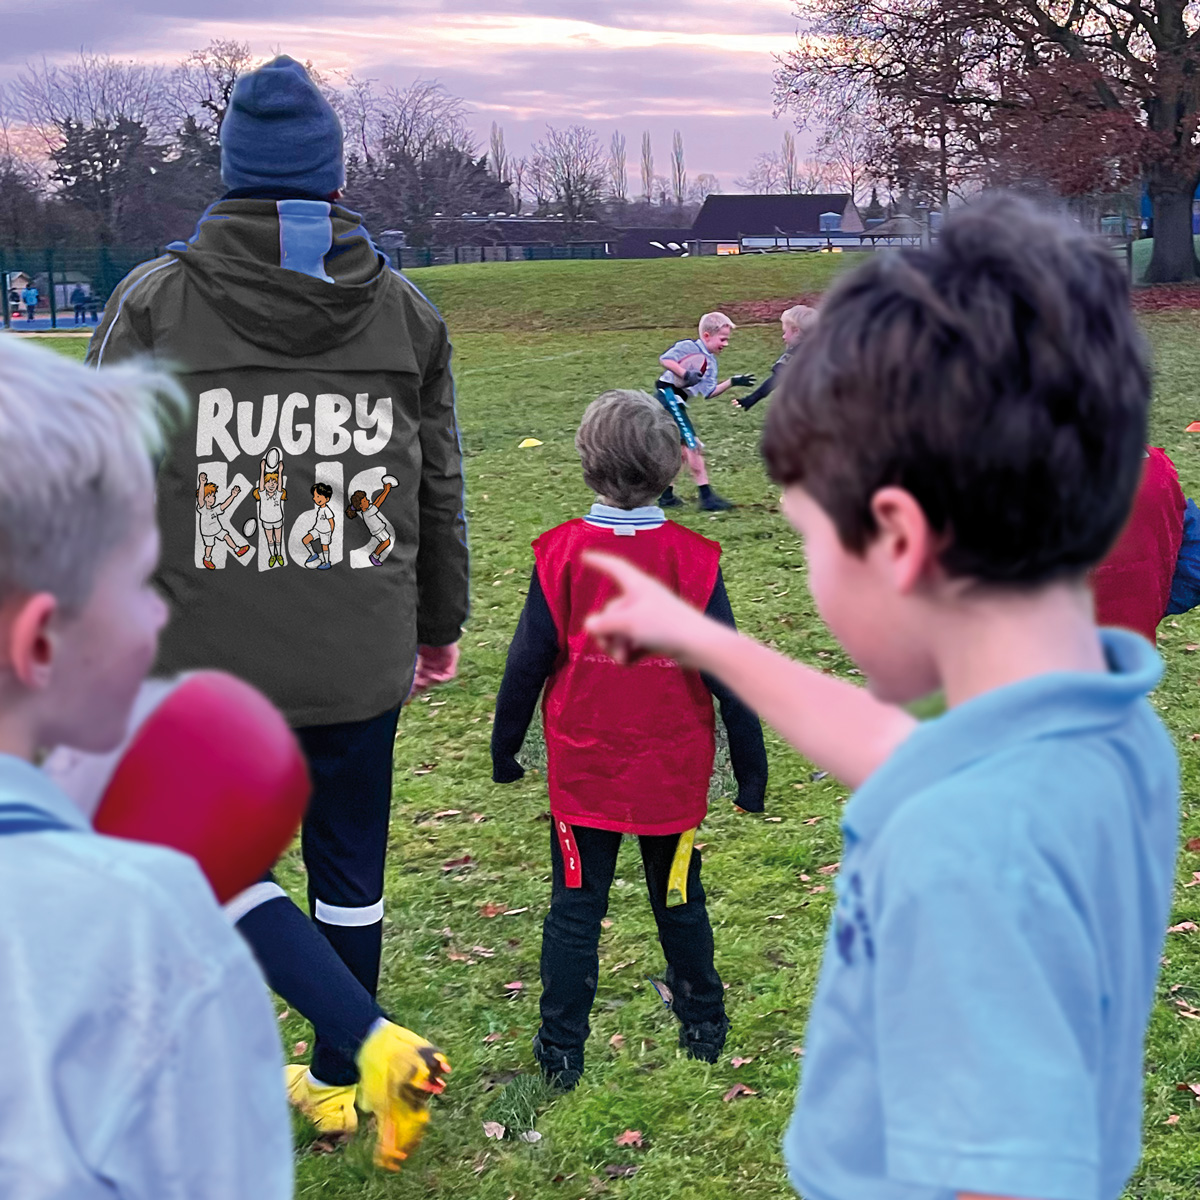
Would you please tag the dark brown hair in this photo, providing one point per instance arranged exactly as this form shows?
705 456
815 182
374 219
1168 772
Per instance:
353 510
999 377
629 448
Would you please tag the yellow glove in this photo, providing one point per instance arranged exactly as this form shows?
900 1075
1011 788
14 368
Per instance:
398 1072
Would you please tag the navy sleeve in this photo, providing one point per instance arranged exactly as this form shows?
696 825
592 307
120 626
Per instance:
747 753
1185 587
531 658
761 392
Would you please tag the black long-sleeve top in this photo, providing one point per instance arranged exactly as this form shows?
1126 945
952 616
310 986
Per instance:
531 658
767 386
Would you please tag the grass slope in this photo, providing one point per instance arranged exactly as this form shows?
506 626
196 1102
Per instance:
534 343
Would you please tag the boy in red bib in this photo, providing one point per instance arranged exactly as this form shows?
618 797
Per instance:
629 749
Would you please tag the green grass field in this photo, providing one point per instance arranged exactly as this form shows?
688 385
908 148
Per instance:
534 343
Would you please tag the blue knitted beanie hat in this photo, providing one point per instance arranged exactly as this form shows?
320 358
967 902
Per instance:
280 132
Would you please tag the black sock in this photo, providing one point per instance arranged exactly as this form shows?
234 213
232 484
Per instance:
705 491
303 968
668 492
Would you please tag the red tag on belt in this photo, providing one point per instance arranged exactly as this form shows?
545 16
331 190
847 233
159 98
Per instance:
572 868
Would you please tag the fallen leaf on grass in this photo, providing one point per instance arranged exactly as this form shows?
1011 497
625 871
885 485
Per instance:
498 1079
699 845
492 910
1192 844
456 956
631 1137
617 1041
606 923
530 1135
283 1016
483 951
1194 1088
1183 927
814 890
447 812
299 1048
805 878
664 992
741 1062
1173 1119
622 965
514 987
477 817
832 869
492 1037
798 1051
738 1089
1194 881
481 1162
1191 648
621 1171
456 864
425 769
330 1144
812 820
493 1129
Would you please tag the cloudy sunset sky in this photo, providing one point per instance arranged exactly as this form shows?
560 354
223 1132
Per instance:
701 66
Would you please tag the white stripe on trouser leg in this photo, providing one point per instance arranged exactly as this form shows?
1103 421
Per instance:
251 898
330 914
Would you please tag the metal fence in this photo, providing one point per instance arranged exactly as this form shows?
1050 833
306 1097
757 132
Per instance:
59 274
406 257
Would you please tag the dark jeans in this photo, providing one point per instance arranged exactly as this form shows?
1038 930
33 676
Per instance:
571 936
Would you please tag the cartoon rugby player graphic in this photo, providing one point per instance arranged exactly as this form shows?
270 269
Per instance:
211 527
362 506
321 534
270 495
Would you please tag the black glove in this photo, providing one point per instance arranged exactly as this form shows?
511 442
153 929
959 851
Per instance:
506 770
742 381
691 378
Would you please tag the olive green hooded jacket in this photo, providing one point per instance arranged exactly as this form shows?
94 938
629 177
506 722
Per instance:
300 346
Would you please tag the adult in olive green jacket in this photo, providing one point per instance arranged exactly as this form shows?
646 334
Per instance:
313 536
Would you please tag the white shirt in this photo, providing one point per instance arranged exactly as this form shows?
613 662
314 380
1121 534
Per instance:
324 519
374 521
140 1053
270 506
210 521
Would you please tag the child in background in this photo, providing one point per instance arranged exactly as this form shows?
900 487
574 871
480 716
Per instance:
141 1055
626 754
678 382
1154 569
959 446
796 322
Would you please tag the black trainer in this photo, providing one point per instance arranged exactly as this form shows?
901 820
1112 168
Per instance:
562 1069
704 1040
713 503
669 500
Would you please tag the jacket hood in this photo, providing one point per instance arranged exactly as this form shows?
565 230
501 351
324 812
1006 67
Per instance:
298 276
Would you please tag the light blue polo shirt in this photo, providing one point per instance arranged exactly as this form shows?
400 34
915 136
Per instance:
139 1053
988 976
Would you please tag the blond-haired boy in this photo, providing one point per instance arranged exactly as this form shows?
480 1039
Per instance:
690 369
796 323
141 1056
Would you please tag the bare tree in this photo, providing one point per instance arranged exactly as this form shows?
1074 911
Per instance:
705 185
678 170
519 169
618 177
662 191
92 91
813 176
203 83
498 154
848 150
789 165
764 177
358 107
421 118
647 168
575 165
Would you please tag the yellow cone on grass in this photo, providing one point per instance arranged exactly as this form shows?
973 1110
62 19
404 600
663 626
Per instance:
528 444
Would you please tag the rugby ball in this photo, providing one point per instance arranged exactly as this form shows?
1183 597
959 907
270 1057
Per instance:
694 362
248 530
273 457
392 480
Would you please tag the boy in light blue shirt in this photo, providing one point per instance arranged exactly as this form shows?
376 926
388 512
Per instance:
959 446
140 1053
